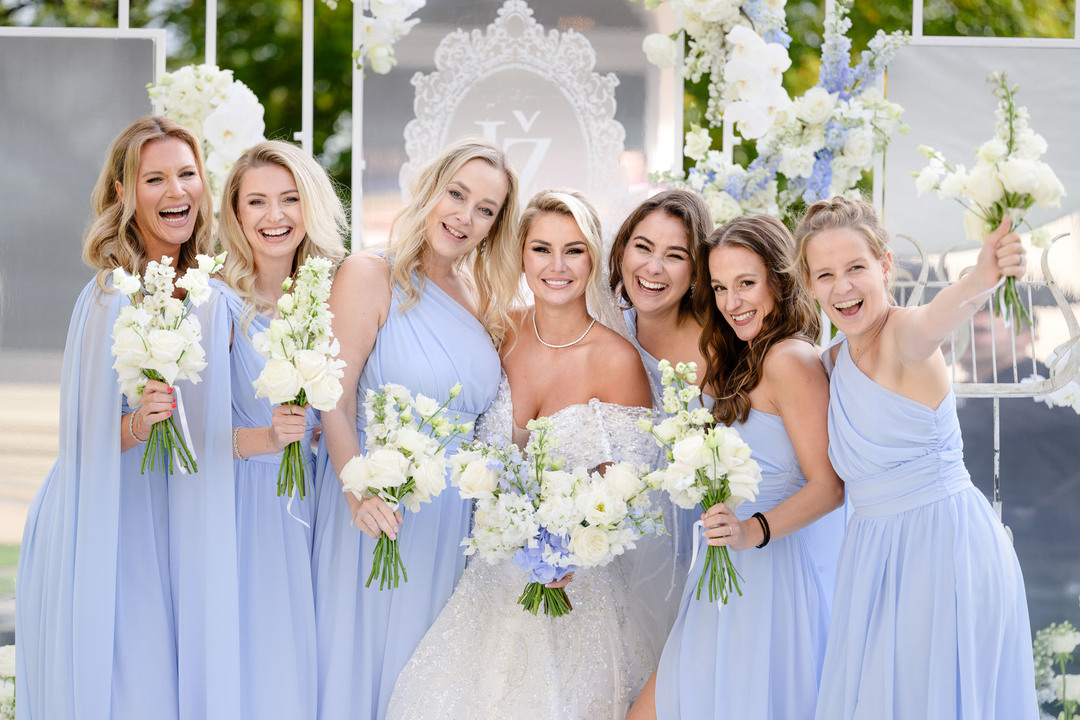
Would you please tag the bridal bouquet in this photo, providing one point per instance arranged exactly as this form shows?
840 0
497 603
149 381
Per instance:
155 338
1055 649
301 359
404 463
1007 179
708 464
7 682
548 520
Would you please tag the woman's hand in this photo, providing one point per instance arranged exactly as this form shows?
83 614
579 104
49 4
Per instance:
374 518
156 404
562 583
288 425
1002 254
722 527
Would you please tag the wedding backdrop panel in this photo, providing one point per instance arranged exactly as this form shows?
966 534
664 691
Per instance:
64 99
578 110
949 106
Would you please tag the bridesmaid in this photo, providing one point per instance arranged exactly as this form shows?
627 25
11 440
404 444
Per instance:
759 657
94 603
278 209
428 315
930 618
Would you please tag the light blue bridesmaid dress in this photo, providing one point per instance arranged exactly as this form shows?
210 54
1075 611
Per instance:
277 619
930 618
759 656
366 635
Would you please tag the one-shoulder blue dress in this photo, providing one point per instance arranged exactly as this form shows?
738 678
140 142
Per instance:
366 635
930 618
277 618
759 656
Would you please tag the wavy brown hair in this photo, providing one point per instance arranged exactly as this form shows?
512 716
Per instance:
733 367
113 239
683 205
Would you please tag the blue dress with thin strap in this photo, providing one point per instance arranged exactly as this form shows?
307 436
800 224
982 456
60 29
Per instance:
930 618
759 656
273 535
366 635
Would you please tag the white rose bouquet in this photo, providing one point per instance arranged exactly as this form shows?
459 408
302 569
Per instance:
1007 179
155 338
708 464
1058 690
301 359
7 682
549 521
404 464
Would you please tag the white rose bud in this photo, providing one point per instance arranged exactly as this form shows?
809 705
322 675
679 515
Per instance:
590 546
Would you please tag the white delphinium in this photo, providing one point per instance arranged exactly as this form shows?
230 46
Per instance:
404 462
156 338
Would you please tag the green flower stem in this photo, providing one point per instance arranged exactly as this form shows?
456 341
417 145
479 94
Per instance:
722 575
158 453
555 600
292 475
387 564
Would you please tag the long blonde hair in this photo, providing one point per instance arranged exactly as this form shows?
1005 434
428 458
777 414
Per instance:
574 205
324 216
113 238
495 263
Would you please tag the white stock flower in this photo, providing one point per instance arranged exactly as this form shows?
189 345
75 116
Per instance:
1031 145
278 382
590 546
815 106
659 49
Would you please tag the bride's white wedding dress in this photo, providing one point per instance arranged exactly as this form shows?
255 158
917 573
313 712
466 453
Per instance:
486 657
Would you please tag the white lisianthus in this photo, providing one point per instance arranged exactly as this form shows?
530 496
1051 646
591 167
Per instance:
1019 175
414 442
590 546
992 151
983 185
659 49
816 106
1031 145
425 406
599 505
953 184
1049 190
429 471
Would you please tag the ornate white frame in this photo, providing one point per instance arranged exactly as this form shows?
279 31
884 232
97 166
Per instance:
516 40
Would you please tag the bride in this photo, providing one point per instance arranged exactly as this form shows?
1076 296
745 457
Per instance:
485 656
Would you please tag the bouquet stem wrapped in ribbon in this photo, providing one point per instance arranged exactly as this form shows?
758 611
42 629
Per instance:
156 338
404 463
302 365
549 521
709 464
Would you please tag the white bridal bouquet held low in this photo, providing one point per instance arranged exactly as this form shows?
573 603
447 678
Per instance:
302 367
404 462
156 338
7 682
708 464
549 521
1007 179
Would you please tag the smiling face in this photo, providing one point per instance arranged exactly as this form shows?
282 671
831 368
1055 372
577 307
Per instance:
270 214
847 280
740 285
656 266
168 190
556 259
466 211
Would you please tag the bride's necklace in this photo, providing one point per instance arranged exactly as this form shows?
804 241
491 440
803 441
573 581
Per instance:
870 343
566 345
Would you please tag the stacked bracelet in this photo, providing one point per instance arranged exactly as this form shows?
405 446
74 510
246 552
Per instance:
131 427
236 445
764 528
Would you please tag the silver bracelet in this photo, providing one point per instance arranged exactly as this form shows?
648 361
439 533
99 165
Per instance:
131 428
236 446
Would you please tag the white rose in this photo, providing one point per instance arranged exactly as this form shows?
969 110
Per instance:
659 49
859 148
590 546
477 480
310 365
1019 175
691 451
722 206
388 467
815 106
624 480
124 283
129 348
324 393
278 381
430 475
165 350
356 476
7 661
983 185
797 162
697 144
